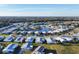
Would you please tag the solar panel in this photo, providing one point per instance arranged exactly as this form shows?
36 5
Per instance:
1 37
12 46
27 46
41 39
30 39
10 38
18 38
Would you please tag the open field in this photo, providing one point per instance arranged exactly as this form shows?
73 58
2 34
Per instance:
60 49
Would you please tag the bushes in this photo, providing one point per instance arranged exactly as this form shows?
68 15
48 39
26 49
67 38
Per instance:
75 40
67 44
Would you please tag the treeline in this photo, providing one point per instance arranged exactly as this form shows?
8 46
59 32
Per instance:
35 19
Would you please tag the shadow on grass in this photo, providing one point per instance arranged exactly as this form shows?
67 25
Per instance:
50 51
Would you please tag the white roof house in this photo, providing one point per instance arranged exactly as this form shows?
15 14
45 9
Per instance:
27 46
56 31
19 39
29 32
38 40
36 32
53 40
49 40
9 38
59 39
61 30
77 35
29 39
50 32
67 38
44 32
10 48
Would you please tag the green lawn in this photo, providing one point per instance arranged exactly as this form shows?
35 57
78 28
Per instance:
72 49
5 35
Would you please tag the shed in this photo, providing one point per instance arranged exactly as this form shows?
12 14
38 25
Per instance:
67 38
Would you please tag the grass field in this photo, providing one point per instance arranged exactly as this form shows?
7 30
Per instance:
5 35
60 49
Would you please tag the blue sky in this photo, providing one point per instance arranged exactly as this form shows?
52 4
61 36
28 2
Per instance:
39 9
